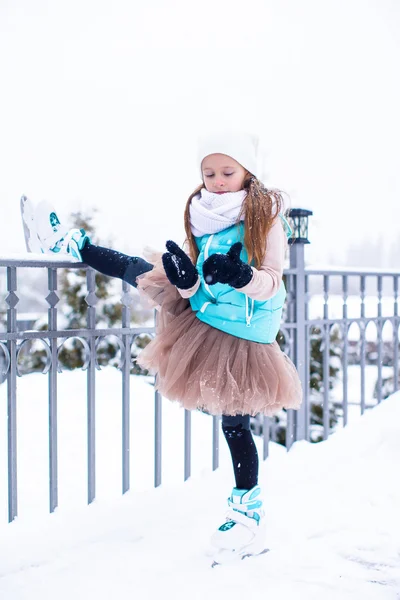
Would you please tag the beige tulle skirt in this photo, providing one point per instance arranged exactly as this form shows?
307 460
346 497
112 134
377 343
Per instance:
204 368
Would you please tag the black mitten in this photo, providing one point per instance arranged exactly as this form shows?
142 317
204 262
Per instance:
227 268
178 267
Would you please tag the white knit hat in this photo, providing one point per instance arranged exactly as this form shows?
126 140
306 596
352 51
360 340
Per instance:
242 147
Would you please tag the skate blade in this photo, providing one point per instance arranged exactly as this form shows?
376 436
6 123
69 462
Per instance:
227 557
32 241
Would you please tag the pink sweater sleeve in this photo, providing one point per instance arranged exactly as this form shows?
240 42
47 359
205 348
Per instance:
191 291
266 281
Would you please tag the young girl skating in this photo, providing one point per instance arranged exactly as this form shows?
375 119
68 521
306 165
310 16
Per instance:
219 307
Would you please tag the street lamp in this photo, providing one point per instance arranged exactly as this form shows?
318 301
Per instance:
298 220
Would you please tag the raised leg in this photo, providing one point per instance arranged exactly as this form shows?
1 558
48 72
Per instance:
114 264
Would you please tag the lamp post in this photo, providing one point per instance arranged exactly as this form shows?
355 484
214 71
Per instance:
298 220
300 419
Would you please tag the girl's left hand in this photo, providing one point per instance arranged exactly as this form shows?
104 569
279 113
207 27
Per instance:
227 268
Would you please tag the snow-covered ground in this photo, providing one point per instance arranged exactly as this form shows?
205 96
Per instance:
333 507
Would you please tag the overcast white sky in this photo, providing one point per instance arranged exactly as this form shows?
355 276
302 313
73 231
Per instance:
101 104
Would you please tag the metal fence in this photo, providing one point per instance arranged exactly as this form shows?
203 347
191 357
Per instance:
301 322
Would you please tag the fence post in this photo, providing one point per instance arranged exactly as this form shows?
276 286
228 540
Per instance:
91 301
12 301
53 299
298 218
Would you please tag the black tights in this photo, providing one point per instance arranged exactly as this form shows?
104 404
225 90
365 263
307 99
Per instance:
243 450
114 264
236 429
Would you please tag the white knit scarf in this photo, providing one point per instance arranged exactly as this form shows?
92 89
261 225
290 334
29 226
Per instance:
210 213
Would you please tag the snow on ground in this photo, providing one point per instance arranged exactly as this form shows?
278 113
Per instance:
332 508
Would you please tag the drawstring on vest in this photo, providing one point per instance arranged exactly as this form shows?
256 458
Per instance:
249 316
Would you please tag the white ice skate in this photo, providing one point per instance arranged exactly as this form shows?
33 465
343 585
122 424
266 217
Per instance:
45 233
56 237
244 531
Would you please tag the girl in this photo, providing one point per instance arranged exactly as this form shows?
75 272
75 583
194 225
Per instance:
219 307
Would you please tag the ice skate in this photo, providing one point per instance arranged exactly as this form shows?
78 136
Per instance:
54 236
244 531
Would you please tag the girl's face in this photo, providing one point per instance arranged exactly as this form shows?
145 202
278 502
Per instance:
222 174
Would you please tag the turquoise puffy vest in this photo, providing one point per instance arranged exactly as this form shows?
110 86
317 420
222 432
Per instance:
228 309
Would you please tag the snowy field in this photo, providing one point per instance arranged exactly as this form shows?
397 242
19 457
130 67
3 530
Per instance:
332 508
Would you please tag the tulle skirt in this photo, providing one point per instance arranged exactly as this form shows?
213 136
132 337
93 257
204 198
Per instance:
204 368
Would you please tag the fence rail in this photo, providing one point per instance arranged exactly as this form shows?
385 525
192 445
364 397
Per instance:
303 324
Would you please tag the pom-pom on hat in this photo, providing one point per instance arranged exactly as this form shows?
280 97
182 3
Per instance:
241 146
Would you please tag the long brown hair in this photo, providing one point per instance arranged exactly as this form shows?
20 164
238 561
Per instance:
260 208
